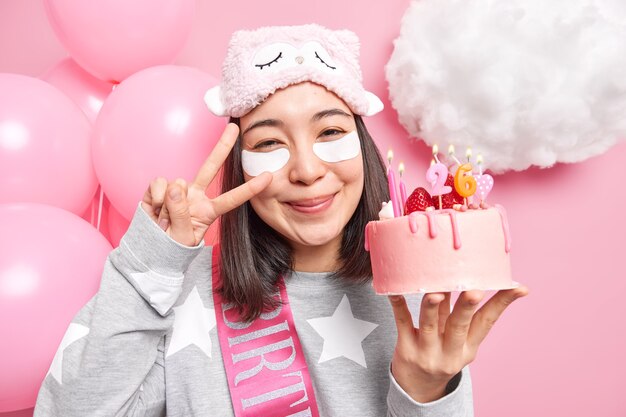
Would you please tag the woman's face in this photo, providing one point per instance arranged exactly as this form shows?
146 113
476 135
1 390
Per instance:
315 189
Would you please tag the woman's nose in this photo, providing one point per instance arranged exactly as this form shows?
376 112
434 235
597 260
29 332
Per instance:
306 167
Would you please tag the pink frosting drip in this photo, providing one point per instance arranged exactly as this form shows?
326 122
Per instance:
505 227
432 226
455 229
413 222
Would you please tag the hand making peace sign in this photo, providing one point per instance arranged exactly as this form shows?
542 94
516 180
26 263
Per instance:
185 212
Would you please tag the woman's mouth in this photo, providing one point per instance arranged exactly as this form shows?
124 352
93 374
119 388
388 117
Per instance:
313 205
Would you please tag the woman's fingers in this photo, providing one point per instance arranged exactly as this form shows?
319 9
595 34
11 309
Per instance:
439 352
237 196
181 228
458 323
183 185
404 320
147 207
429 320
154 196
159 204
157 190
444 311
488 314
163 219
218 155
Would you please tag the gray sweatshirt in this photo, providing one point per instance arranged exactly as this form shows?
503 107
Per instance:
146 344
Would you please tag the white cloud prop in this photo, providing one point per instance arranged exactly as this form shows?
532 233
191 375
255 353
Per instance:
524 82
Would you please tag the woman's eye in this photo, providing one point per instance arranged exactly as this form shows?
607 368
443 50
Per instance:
331 132
265 144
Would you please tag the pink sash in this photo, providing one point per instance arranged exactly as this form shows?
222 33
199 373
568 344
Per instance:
265 366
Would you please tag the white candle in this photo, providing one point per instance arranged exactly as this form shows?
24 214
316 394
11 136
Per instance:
402 187
451 154
391 182
435 152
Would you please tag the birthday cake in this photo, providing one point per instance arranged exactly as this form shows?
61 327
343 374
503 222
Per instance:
441 244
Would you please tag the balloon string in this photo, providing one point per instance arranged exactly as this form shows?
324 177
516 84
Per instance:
92 208
100 207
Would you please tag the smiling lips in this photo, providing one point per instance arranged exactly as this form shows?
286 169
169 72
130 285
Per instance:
313 205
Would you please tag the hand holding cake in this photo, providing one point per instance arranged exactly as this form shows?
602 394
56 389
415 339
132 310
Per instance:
427 359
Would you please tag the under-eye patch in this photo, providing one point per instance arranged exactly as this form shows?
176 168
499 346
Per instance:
342 149
255 163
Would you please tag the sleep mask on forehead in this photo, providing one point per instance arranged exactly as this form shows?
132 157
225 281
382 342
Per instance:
261 61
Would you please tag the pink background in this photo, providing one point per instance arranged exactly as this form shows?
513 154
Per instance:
558 351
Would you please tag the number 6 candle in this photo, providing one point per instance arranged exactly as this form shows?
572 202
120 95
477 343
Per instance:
464 184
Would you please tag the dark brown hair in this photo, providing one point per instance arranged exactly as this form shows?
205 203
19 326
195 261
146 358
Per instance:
253 255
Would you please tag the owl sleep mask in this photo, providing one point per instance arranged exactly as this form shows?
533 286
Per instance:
261 61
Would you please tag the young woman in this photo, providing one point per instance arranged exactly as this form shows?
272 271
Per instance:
280 320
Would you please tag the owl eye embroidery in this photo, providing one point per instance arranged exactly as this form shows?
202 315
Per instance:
261 66
323 62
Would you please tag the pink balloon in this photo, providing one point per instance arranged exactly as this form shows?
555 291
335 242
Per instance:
83 88
50 265
45 146
113 39
155 123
